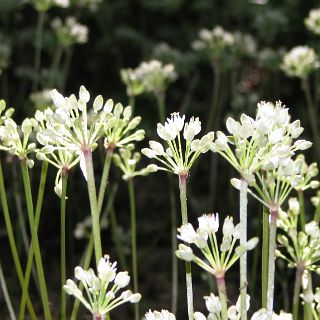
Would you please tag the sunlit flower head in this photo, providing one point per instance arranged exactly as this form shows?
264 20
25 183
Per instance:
102 288
181 149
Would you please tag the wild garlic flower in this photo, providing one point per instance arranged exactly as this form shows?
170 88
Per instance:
300 62
15 139
4 112
312 22
102 290
72 127
214 43
45 5
180 154
218 258
151 76
244 45
70 32
307 174
121 129
300 249
316 199
265 142
162 315
213 305
127 161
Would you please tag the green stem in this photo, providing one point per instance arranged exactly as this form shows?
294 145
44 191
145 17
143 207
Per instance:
271 261
93 205
161 97
243 242
132 101
265 252
38 47
255 263
223 297
296 293
89 250
12 242
42 185
117 239
54 70
35 240
104 178
6 294
307 305
215 95
302 214
184 215
133 219
312 113
63 201
173 213
317 214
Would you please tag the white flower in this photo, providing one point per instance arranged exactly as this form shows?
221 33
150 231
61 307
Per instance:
312 22
162 315
184 253
213 303
187 233
191 129
228 227
209 223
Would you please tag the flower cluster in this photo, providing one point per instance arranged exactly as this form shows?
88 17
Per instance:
300 62
41 99
179 157
101 289
150 76
262 148
314 300
70 32
214 42
15 139
45 5
312 22
162 315
213 305
300 249
121 129
218 259
127 161
308 173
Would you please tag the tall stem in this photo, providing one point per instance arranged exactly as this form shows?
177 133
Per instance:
35 240
6 294
243 242
63 201
42 185
184 214
160 96
38 47
133 220
265 253
271 262
302 214
93 204
221 284
296 293
12 242
132 101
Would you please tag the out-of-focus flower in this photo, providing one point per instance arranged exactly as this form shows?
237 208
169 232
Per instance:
102 289
71 32
300 62
42 99
127 161
218 258
45 5
214 43
182 149
312 22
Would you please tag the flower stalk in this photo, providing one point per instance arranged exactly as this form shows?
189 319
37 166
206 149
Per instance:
184 214
296 292
265 253
222 289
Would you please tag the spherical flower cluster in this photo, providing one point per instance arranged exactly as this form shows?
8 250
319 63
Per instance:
300 62
300 249
71 32
312 22
150 76
121 129
102 290
162 315
127 161
180 154
214 42
218 259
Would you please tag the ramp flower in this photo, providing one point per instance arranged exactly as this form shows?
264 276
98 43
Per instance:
162 315
312 22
